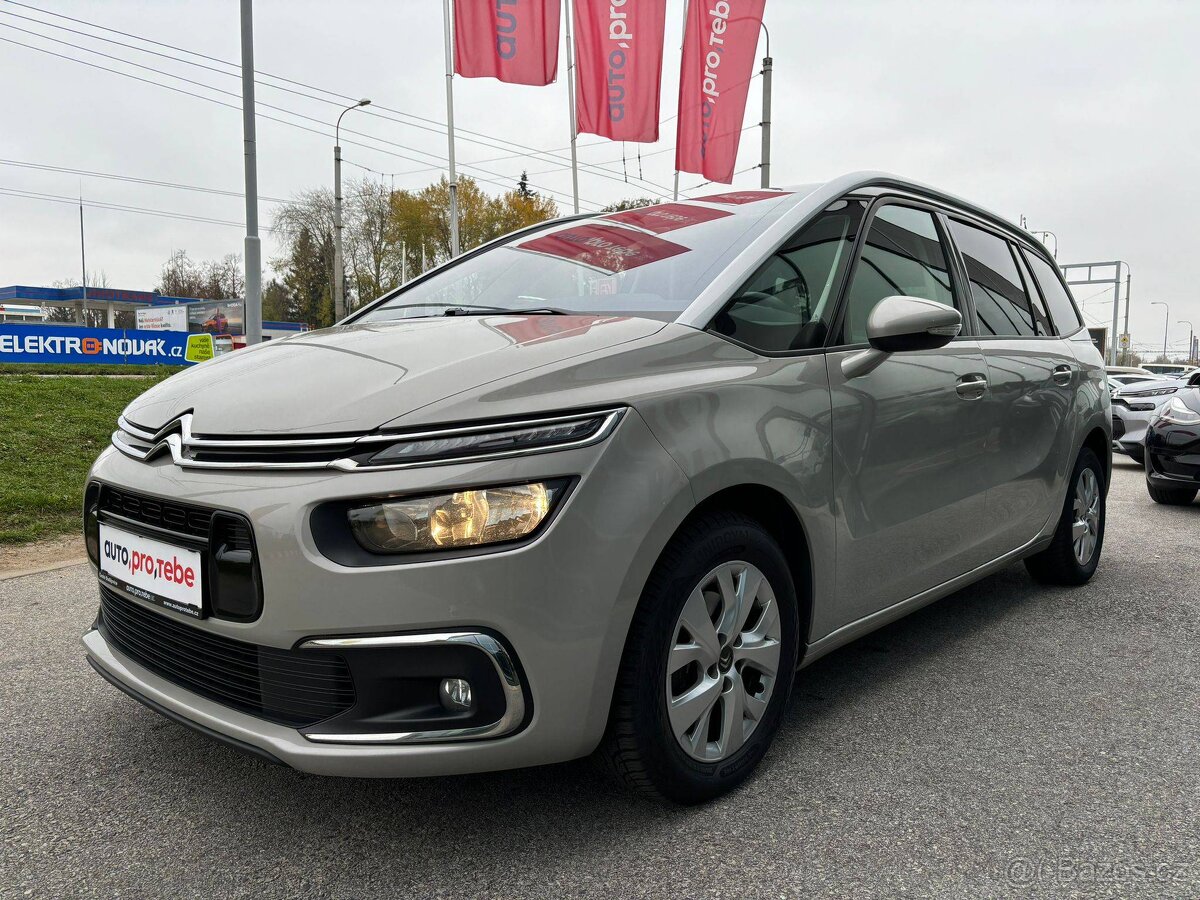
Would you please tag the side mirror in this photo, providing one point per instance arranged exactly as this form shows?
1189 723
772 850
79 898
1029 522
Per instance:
898 324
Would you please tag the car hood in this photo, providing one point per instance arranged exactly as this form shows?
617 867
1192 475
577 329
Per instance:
355 378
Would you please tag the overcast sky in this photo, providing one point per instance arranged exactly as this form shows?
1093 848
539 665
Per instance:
1082 116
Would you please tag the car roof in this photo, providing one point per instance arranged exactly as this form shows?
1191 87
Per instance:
866 180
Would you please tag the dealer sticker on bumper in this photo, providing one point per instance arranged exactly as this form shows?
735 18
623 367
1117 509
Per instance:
155 571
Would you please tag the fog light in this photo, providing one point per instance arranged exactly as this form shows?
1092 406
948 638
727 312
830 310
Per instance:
456 694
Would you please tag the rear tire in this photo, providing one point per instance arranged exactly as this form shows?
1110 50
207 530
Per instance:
690 610
1171 496
1074 552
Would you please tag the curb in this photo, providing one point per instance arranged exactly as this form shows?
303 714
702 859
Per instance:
64 564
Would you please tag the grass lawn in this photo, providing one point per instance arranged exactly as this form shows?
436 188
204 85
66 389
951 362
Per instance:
51 430
85 369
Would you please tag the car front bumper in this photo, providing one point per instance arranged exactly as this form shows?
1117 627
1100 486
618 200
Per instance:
560 604
1129 425
1173 456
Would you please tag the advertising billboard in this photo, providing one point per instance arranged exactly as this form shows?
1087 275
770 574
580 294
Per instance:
218 317
163 318
67 344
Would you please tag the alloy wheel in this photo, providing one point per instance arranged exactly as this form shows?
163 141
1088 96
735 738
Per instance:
1085 530
723 662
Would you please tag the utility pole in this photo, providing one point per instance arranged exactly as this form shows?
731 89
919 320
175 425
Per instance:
83 265
253 304
1191 338
339 275
1166 323
1128 281
450 134
766 115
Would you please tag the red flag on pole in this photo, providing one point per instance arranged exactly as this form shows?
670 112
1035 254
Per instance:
618 67
719 42
512 40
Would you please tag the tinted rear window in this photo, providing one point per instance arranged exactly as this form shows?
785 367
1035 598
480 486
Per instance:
1001 304
1062 309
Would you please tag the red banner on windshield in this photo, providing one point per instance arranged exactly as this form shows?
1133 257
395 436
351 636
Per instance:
667 216
739 197
603 247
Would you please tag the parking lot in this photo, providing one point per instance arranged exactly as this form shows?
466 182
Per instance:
1009 740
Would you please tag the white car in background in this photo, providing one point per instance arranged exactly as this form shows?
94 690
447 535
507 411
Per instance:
1124 380
1135 405
1171 370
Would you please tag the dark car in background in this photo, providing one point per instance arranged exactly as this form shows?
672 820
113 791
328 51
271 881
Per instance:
1173 450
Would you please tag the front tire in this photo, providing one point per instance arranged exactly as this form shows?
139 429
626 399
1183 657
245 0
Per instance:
708 665
1074 552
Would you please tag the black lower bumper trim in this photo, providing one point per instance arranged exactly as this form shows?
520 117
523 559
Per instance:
241 746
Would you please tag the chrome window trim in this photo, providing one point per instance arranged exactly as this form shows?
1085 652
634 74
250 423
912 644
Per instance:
510 683
176 437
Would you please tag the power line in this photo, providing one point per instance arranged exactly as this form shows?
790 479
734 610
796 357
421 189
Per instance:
263 115
43 167
119 207
226 93
597 169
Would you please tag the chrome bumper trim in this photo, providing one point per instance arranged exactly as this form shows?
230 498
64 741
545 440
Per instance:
510 683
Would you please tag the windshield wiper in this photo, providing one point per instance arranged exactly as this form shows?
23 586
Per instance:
485 310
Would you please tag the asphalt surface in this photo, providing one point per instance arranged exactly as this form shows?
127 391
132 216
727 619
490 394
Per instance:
1010 740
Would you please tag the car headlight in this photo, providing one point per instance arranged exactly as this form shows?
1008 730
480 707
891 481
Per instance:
456 520
1178 413
1156 392
497 440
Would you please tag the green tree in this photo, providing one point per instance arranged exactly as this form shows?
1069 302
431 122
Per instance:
210 279
629 203
422 218
304 293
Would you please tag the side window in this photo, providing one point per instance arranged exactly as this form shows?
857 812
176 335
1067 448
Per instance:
788 302
1041 319
1001 304
1058 298
903 254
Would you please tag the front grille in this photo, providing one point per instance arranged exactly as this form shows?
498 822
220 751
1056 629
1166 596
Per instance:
181 518
290 687
1118 428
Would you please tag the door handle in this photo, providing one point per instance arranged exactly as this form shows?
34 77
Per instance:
971 387
1063 375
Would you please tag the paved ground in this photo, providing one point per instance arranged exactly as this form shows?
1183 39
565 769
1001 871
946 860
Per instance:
1008 741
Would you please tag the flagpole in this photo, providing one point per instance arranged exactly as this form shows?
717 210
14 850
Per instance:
682 36
450 133
571 106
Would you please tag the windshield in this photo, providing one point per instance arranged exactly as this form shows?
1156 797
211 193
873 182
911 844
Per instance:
650 262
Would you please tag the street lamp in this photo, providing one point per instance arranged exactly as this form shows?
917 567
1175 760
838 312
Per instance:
339 296
1166 324
1038 235
1191 337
